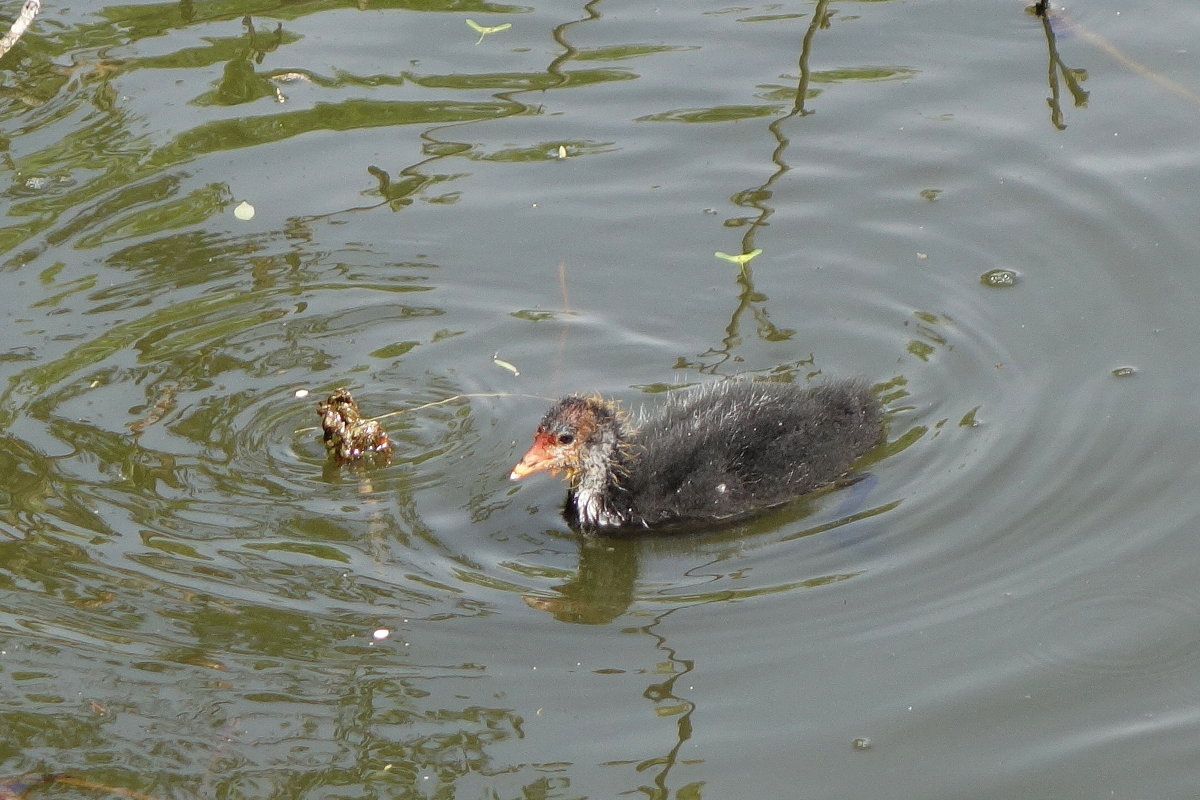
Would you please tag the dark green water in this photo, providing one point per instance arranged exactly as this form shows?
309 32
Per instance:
189 592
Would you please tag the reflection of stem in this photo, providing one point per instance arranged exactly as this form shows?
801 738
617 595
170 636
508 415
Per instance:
441 149
756 198
1073 77
657 693
568 50
819 20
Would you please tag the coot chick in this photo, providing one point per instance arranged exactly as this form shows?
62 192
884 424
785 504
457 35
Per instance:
711 453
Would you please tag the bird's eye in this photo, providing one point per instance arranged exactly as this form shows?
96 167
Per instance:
565 438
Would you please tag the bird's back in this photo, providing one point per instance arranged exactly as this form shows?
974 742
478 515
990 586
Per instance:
734 447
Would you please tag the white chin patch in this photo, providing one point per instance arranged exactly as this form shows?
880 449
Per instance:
592 512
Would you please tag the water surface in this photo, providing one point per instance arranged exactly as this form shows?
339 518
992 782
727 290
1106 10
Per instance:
189 592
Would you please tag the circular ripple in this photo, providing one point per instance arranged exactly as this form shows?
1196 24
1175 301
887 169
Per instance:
1115 633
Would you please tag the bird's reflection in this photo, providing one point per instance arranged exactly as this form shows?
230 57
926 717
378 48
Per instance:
601 589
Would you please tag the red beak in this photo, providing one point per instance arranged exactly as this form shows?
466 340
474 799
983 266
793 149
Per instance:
536 459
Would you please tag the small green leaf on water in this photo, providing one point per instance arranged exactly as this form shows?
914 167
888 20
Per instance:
739 259
484 30
673 710
499 362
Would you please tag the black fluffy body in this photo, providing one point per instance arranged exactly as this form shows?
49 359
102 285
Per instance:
717 452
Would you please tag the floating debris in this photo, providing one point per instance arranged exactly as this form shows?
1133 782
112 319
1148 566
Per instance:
484 30
244 211
164 403
348 436
562 151
738 259
999 278
1124 372
301 393
499 362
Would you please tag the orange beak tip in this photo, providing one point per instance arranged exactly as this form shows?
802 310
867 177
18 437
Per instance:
537 459
526 466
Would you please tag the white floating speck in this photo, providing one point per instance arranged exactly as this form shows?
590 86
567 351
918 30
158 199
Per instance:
244 211
562 151
301 394
381 633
